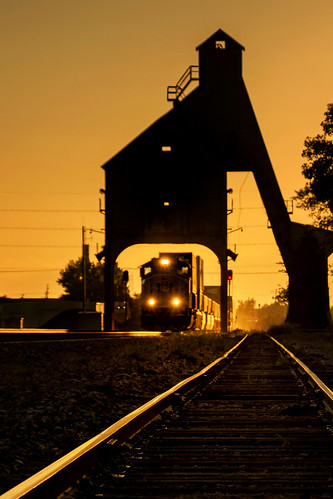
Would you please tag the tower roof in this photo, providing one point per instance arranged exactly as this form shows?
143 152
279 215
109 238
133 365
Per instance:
220 35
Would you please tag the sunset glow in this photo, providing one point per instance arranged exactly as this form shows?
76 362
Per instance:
82 79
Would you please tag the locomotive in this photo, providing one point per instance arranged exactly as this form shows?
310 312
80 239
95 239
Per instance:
173 294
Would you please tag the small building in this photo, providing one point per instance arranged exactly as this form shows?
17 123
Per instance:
51 314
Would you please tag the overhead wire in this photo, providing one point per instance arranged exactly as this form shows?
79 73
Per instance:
48 211
240 198
38 246
41 228
28 270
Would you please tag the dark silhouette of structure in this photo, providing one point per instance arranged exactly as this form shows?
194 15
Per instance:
169 184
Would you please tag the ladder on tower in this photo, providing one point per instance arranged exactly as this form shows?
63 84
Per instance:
175 92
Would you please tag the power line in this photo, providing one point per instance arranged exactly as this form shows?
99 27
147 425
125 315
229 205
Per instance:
241 208
102 230
49 211
68 193
94 230
240 197
40 228
256 244
36 246
246 273
28 270
250 227
255 273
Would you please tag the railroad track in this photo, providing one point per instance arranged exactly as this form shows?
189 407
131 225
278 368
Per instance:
35 335
258 428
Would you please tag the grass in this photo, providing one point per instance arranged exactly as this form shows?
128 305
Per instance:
29 366
194 347
319 342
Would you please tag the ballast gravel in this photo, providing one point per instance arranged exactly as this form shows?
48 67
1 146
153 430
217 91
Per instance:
55 395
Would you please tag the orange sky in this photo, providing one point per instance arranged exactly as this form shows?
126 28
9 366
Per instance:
80 79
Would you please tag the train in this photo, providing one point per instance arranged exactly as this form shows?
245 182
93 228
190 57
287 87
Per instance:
173 296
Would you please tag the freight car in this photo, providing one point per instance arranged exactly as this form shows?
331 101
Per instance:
173 294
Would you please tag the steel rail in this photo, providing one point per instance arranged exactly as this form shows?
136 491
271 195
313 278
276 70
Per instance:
51 481
47 335
312 378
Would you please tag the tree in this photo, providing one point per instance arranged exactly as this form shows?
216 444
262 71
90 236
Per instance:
246 314
282 293
261 318
317 194
271 315
71 280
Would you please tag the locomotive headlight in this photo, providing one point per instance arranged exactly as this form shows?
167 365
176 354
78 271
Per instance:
151 302
176 302
165 261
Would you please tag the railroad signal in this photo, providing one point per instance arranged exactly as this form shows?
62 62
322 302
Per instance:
232 255
229 275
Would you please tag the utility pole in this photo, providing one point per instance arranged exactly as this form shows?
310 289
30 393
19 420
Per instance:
85 258
229 298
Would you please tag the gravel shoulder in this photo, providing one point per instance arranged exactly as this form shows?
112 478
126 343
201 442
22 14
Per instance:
314 348
56 395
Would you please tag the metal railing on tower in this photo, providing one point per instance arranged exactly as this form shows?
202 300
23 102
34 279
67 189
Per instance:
175 92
